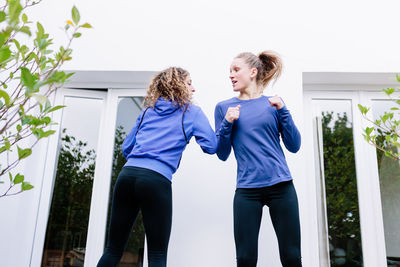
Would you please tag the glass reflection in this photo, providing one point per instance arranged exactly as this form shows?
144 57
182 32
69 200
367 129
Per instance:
389 178
340 182
129 109
66 233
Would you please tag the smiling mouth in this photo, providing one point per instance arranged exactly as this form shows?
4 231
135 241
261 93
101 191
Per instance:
234 82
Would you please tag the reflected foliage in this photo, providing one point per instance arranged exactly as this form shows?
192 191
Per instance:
341 191
69 214
135 244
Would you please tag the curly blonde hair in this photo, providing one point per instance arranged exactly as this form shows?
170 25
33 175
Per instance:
170 85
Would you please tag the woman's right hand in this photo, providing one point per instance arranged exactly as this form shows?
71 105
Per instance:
232 113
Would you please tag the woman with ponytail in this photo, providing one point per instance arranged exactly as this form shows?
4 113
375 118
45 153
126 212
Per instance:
252 124
153 150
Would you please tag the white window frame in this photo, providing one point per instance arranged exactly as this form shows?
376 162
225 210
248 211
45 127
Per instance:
101 186
360 88
115 84
51 167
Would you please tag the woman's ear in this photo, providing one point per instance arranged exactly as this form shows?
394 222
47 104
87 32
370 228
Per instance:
253 72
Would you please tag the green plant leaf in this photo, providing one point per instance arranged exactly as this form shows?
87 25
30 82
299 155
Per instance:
14 10
2 39
26 29
364 110
18 179
24 153
7 144
75 15
55 108
47 133
2 16
389 91
31 56
26 120
10 175
5 54
398 77
26 186
86 25
24 18
40 29
77 34
5 96
384 118
28 79
369 130
46 120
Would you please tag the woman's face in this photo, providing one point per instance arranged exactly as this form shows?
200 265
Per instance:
241 74
189 86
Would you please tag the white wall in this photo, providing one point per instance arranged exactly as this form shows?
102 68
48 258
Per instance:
203 36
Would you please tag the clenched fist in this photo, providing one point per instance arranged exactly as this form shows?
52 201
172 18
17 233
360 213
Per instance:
232 114
276 101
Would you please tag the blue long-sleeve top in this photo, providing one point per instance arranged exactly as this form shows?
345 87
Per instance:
255 138
159 142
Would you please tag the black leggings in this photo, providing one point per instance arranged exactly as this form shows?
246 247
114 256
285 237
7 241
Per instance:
140 189
283 207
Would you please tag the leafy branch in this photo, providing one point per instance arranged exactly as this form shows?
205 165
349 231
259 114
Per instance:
29 74
385 132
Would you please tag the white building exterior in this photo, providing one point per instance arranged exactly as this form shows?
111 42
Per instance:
332 50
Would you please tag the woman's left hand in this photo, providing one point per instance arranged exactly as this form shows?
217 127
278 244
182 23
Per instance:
276 101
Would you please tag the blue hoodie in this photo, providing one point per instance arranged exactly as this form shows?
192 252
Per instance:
159 142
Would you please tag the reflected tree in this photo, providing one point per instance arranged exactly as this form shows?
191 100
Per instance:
341 191
69 214
136 241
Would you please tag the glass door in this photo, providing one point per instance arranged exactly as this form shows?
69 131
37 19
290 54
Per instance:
340 218
122 109
128 110
389 181
63 219
348 200
82 164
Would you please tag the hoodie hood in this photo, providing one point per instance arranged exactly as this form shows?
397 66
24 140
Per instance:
165 107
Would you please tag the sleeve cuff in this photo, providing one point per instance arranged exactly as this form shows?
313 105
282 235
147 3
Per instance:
283 110
226 127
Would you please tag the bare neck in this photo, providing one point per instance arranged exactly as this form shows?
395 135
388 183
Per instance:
250 92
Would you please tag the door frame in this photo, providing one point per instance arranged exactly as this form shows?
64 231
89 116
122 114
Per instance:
369 198
113 84
51 159
101 186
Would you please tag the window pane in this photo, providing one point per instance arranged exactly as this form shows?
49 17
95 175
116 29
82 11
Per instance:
129 109
67 226
389 178
339 181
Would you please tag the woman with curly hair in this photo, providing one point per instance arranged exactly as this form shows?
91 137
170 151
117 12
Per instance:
153 150
253 124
